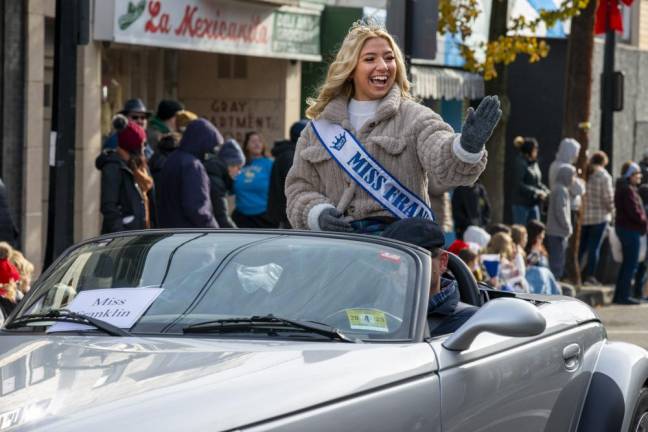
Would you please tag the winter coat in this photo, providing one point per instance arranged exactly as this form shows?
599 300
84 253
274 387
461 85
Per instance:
122 205
527 182
567 155
8 230
630 213
446 313
440 204
559 213
470 206
599 199
156 164
184 184
220 185
283 153
407 138
156 129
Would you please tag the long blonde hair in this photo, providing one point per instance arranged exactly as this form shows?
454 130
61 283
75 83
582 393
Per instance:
337 78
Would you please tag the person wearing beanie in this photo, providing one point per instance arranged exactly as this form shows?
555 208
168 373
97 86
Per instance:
446 313
222 169
134 110
283 153
630 225
184 186
127 193
183 118
164 121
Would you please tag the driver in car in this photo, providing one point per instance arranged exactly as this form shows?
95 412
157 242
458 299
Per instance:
446 313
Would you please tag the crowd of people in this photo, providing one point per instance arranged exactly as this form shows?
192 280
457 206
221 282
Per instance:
173 169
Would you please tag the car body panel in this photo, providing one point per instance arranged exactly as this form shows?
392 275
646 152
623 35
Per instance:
89 381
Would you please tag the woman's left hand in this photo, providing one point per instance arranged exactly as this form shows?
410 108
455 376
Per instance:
479 125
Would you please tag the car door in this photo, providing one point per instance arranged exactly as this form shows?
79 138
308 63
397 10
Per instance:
513 384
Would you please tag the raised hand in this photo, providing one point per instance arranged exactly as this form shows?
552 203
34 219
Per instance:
479 125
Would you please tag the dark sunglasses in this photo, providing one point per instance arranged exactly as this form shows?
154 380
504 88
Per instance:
138 117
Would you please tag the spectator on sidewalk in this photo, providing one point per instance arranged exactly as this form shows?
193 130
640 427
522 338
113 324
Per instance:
8 230
165 146
509 277
134 110
640 275
252 185
222 170
184 197
536 252
478 236
283 153
25 269
598 207
567 154
630 225
9 279
127 193
559 226
164 121
520 240
528 190
470 207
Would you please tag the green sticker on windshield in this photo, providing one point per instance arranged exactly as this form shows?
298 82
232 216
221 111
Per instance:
367 319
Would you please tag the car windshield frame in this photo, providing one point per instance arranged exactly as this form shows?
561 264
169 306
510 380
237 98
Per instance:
419 258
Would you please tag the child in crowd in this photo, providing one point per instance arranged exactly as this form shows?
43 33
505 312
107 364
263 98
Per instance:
559 227
520 240
536 253
471 258
25 269
9 276
509 277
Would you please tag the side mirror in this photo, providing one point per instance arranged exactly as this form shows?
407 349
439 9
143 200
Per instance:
503 316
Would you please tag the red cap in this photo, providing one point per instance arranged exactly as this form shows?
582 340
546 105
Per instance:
132 138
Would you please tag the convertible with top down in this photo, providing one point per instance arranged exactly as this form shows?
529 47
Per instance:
275 330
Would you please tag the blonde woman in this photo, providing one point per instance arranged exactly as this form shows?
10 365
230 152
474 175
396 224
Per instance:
25 269
364 107
510 277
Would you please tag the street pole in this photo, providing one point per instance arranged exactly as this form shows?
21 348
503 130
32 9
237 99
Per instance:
70 30
607 96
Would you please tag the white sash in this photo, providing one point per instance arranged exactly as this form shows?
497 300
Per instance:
354 159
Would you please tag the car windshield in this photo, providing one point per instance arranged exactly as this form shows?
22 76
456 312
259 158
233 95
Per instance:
364 289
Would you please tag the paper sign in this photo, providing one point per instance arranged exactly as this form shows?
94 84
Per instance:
121 307
367 319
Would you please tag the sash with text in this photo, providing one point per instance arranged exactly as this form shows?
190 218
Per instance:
367 172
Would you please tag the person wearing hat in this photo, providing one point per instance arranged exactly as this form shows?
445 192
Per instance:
446 313
127 196
184 185
630 225
283 153
222 169
164 121
134 110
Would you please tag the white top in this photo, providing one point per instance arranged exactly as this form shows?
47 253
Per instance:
361 111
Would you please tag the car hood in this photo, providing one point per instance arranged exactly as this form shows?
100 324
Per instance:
80 383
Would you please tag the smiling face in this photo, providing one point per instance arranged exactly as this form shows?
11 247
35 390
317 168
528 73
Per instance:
375 72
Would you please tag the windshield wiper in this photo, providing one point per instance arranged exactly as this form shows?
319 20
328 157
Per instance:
64 315
269 322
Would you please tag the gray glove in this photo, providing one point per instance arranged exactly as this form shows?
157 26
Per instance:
331 219
479 125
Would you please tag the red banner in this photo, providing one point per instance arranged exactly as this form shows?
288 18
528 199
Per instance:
614 21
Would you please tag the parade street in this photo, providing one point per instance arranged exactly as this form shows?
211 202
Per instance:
627 324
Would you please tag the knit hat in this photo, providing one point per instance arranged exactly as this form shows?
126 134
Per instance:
130 135
183 118
418 231
167 108
296 129
231 154
633 168
477 235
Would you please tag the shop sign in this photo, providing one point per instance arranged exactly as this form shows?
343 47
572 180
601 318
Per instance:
210 25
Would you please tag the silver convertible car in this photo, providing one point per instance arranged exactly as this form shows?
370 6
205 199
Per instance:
295 331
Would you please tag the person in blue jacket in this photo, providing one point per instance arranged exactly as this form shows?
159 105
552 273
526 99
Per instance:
184 183
252 185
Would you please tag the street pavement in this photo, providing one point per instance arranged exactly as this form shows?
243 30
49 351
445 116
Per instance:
626 323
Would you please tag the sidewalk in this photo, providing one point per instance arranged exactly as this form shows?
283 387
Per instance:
596 295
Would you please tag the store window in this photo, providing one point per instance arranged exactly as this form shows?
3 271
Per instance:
232 67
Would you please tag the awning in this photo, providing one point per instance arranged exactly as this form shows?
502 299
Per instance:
443 83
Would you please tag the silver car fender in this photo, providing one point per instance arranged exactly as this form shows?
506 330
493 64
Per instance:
621 372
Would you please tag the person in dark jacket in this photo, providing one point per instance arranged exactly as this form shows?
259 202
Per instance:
134 110
164 121
165 146
283 153
126 185
446 313
630 225
528 190
8 230
222 169
184 184
470 206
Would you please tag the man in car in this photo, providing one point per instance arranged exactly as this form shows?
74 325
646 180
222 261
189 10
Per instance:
446 313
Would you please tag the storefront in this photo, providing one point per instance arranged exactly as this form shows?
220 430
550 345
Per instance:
236 63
